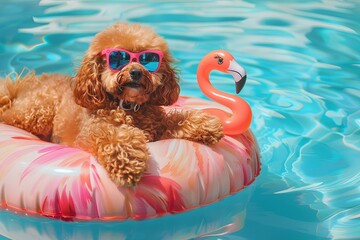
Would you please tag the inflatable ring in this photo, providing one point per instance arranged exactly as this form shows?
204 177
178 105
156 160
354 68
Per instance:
43 178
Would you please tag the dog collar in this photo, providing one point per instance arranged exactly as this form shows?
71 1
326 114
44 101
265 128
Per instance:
129 106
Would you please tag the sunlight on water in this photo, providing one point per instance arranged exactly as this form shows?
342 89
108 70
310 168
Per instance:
303 65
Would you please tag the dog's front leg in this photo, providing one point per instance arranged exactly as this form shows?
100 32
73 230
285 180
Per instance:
121 150
193 125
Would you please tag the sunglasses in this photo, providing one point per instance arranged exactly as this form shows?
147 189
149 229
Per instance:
118 58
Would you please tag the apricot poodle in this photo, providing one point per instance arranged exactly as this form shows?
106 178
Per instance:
112 107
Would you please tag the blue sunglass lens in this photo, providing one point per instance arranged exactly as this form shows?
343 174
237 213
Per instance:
118 59
150 61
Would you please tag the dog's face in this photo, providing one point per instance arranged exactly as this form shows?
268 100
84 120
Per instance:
99 86
133 83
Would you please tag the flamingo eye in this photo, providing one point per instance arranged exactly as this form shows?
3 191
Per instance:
220 60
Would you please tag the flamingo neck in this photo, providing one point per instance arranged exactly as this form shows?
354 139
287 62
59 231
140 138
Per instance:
241 117
208 89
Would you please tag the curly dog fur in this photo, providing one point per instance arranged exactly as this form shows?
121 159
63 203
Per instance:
83 111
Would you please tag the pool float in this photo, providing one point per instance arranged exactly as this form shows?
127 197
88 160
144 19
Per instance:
52 180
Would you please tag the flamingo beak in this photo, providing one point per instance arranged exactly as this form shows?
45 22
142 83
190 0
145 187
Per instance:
238 73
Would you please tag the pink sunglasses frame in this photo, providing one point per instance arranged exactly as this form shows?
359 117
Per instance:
133 56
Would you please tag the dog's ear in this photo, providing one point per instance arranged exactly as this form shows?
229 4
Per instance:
168 92
88 90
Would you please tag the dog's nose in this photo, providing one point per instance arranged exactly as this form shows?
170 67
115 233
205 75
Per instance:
135 74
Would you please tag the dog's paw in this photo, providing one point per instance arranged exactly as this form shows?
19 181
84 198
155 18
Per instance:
125 166
210 130
124 155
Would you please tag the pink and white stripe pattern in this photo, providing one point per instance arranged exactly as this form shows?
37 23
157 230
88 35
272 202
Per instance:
53 180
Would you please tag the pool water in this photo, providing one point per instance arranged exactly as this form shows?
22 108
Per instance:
303 65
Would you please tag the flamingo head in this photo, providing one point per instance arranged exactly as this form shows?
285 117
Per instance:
223 61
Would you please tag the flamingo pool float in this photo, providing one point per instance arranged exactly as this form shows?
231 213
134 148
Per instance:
62 182
223 61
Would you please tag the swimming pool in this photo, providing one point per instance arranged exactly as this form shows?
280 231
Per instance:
303 64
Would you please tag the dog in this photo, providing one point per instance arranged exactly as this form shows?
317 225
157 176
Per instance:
113 105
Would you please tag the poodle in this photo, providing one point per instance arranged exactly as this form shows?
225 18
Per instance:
113 106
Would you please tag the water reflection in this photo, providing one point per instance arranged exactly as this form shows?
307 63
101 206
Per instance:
218 219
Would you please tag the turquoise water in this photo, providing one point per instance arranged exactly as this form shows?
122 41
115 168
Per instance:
303 64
